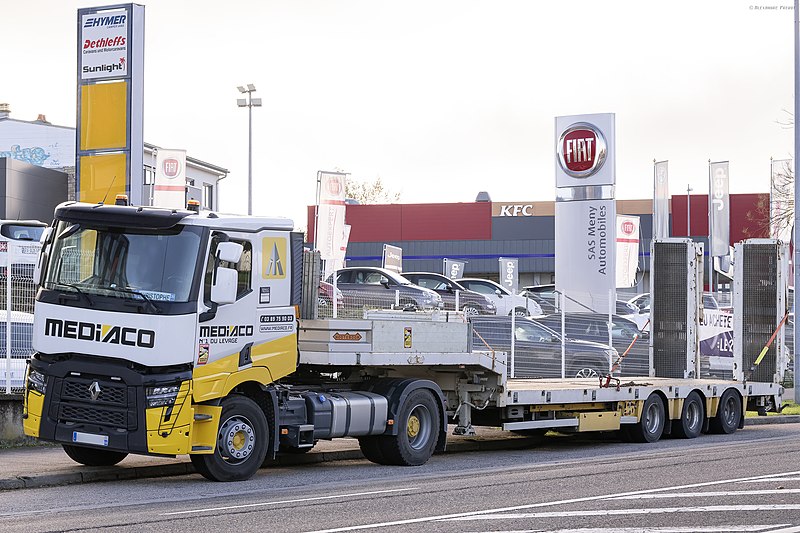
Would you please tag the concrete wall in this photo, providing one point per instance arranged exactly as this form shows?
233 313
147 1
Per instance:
11 422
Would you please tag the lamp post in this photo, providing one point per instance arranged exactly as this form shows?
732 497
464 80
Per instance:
689 211
249 103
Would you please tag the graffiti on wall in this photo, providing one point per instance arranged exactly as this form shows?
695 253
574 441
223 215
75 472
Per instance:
35 155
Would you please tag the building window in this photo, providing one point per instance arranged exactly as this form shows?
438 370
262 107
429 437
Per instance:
208 196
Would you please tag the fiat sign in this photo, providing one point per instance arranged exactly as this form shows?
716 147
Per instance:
628 227
581 150
585 155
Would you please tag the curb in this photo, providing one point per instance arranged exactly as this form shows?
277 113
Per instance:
775 419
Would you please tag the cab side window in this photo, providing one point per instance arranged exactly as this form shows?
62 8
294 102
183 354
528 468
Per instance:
244 268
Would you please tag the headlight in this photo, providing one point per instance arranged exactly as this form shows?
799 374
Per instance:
37 381
162 396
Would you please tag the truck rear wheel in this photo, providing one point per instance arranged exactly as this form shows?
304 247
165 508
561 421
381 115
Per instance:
691 423
418 431
651 424
93 456
242 440
729 413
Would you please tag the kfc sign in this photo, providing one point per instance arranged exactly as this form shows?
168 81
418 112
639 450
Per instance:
581 150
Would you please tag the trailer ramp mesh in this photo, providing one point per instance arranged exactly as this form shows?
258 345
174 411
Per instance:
668 309
759 303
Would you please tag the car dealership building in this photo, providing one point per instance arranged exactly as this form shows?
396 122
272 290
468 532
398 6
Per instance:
481 232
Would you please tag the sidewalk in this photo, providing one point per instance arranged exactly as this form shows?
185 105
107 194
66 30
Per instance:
45 465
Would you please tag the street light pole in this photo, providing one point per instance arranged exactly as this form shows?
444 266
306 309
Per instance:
689 211
249 103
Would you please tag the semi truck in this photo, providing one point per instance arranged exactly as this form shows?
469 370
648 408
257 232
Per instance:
167 332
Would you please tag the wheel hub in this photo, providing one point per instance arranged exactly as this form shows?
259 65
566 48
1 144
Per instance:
413 426
237 439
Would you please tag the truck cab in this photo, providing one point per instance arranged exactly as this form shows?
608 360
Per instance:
151 323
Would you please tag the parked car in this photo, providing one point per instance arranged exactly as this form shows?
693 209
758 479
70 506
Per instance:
537 348
21 347
594 327
505 302
548 307
326 294
470 302
377 287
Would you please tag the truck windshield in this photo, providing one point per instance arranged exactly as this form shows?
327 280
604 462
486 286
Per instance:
157 266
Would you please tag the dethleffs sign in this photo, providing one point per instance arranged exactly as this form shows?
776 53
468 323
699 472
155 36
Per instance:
104 44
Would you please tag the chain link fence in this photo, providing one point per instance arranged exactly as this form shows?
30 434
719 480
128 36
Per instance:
16 319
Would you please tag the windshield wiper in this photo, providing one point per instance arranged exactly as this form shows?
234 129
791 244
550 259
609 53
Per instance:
78 289
128 290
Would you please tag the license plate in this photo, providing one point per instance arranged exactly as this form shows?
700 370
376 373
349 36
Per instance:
90 438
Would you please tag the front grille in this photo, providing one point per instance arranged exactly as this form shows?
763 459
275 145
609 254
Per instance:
93 415
79 390
114 405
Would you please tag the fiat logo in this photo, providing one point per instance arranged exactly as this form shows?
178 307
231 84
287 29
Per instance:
171 167
334 186
581 150
628 227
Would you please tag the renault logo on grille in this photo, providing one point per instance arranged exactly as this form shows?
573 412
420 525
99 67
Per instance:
94 390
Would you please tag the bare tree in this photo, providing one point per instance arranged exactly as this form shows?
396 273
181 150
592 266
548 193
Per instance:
370 192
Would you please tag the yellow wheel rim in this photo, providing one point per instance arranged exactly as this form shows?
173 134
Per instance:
413 426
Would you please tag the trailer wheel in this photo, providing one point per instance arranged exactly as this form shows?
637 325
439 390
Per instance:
692 416
418 431
93 456
242 440
651 425
728 414
371 447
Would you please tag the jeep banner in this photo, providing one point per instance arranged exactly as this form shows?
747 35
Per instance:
454 269
509 274
719 209
392 258
660 200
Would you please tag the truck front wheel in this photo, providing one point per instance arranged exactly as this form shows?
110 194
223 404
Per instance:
419 424
93 456
242 441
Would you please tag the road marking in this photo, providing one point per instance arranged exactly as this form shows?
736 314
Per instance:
771 479
623 512
702 494
299 500
546 504
666 529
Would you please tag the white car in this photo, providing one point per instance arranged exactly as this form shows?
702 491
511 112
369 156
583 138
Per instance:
506 302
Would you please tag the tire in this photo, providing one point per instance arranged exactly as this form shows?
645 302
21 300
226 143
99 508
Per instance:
651 425
419 425
242 441
93 456
470 310
692 417
520 312
371 448
584 369
729 413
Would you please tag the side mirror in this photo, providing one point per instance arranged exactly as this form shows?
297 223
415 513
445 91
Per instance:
229 252
223 291
45 238
385 281
37 268
498 292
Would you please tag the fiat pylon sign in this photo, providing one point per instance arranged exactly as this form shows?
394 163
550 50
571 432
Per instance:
581 150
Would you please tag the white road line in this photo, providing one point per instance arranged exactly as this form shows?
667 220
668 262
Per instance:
771 479
299 500
545 504
624 512
666 529
764 492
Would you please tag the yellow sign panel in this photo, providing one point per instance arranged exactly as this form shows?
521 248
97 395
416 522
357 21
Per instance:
102 177
104 108
273 258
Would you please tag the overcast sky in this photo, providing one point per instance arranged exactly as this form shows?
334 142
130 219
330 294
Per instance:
440 99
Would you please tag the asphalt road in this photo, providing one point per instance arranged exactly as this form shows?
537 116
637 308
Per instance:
749 481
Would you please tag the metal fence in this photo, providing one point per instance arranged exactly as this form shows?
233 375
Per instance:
16 319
